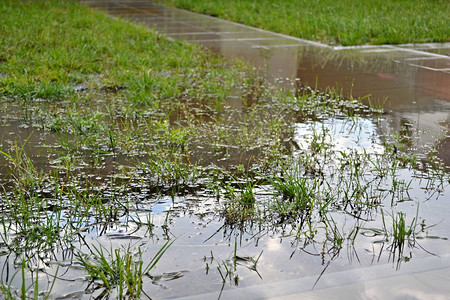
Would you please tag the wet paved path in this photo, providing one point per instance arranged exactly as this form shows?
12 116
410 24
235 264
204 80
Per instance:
415 79
407 74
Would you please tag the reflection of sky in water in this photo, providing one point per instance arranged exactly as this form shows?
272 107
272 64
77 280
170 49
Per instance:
345 135
92 227
160 209
164 204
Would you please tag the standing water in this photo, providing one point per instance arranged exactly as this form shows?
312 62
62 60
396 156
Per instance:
362 195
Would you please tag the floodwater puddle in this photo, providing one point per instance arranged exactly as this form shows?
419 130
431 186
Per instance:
341 135
333 160
411 82
259 190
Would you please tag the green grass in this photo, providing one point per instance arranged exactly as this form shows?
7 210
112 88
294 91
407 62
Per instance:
345 22
121 269
70 44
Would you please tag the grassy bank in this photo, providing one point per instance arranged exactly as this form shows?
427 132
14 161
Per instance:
337 22
103 121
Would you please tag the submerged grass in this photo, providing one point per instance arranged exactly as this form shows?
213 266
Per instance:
122 117
344 23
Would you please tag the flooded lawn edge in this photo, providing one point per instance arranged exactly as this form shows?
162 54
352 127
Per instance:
96 179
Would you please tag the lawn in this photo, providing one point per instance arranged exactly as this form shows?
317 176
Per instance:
344 22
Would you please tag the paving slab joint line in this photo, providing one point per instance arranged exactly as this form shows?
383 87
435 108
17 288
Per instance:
205 33
419 52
